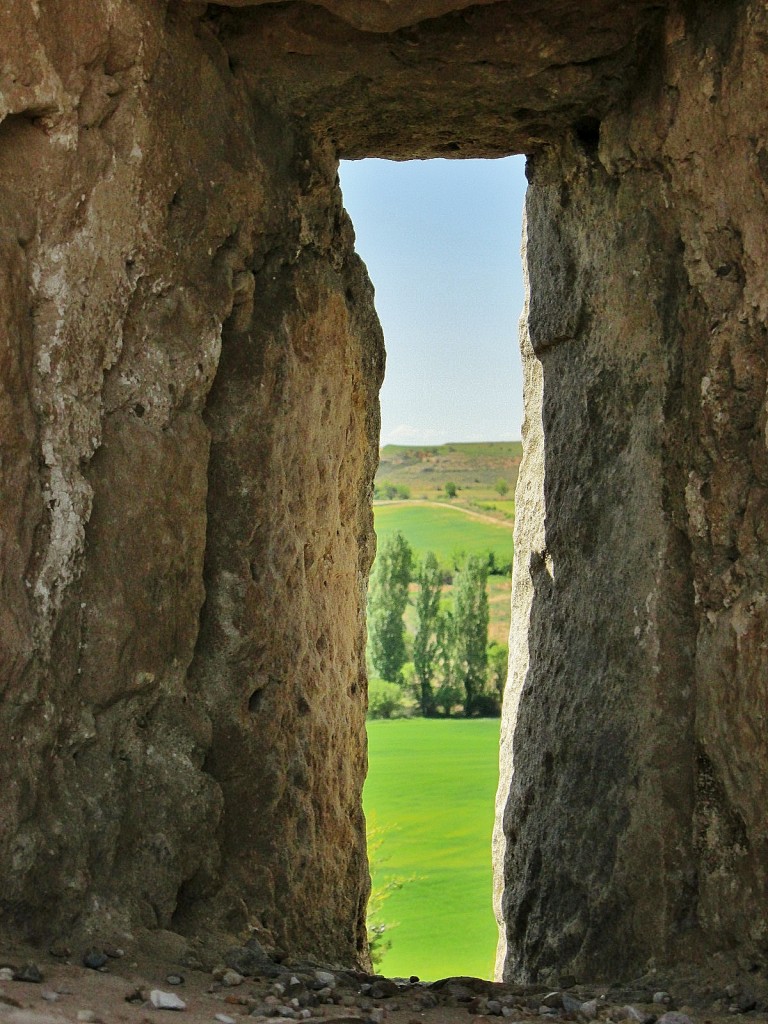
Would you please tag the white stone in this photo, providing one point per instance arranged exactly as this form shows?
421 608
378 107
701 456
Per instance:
166 1000
589 1009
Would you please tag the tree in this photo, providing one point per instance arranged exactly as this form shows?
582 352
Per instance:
502 486
448 694
498 663
426 642
387 600
470 632
451 489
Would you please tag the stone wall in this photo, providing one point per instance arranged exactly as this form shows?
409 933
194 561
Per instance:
631 790
189 361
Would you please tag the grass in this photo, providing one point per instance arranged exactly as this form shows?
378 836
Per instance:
449 532
430 791
501 506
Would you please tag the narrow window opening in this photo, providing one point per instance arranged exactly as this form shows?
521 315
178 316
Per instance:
441 241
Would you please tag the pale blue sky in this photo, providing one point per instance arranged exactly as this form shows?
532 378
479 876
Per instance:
441 239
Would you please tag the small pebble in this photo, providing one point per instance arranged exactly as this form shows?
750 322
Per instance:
94 959
662 998
385 988
327 979
87 1016
6 974
631 1013
50 997
231 978
29 972
114 952
553 1001
673 1017
222 1018
175 979
570 1003
166 1000
589 1009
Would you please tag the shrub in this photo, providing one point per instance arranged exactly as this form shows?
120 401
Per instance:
385 491
448 696
385 700
379 942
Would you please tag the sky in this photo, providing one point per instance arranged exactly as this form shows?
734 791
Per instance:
441 239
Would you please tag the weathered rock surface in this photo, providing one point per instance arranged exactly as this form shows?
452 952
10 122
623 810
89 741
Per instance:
159 748
635 747
189 361
482 82
378 15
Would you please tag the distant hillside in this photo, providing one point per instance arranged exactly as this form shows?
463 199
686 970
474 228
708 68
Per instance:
475 468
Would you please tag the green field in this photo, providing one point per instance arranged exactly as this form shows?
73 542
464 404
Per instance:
500 506
449 532
430 794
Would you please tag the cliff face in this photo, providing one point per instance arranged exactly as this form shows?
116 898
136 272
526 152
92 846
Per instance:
189 362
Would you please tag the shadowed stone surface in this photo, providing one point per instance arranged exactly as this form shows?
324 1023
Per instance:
183 569
189 361
379 15
634 749
482 82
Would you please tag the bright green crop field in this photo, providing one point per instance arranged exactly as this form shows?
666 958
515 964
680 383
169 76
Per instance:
430 798
449 532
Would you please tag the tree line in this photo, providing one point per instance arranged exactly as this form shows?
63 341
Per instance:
448 666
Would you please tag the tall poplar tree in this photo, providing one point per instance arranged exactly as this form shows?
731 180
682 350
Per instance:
471 617
426 643
387 601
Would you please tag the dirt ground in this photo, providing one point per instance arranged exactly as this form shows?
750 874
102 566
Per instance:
100 998
69 992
